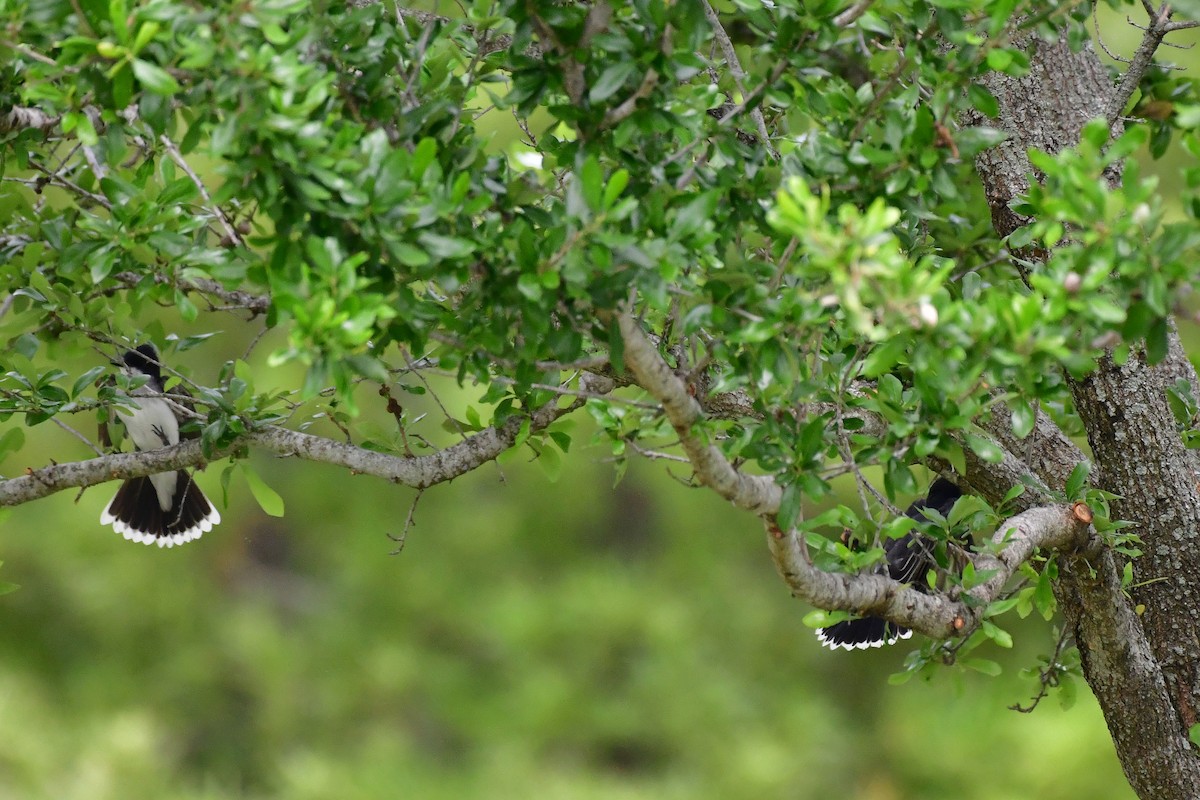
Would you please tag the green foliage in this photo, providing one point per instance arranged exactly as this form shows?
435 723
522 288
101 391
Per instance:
1120 267
358 186
348 178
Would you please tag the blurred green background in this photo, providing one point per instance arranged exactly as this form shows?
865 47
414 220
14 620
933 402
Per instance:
566 640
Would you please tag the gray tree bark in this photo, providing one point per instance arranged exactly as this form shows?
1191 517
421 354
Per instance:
1143 668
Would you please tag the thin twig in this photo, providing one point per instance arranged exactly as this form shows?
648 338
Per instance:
653 455
178 158
1100 37
627 107
408 523
1159 26
852 13
77 435
735 69
1049 676
62 182
28 53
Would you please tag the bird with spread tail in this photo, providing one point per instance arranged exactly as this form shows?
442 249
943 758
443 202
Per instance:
166 508
907 559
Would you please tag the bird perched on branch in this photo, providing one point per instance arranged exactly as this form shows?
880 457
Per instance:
908 559
167 508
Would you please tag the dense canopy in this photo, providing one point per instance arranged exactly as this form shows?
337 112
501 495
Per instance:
800 247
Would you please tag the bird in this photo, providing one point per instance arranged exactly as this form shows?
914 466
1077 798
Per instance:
166 508
907 560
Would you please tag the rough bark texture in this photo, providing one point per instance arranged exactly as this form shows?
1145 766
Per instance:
1045 109
1140 457
420 472
1142 668
1038 527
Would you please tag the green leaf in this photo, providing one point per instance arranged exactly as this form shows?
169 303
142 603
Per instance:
154 77
122 86
692 216
985 448
997 634
591 183
369 367
11 441
884 356
984 665
616 346
1067 692
789 507
1078 477
819 618
984 101
118 16
616 184
551 462
998 607
448 247
999 59
964 507
1043 596
145 33
1013 493
177 191
266 497
1023 418
1157 341
85 380
81 124
1021 237
561 438
1194 734
611 80
186 308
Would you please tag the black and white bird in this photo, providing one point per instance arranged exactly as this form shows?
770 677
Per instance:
908 559
168 508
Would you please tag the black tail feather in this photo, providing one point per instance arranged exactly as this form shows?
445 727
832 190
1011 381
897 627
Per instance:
859 634
136 514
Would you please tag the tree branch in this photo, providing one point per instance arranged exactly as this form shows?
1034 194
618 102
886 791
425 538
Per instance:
419 472
19 117
1159 26
176 156
937 616
756 493
254 303
852 13
735 69
1051 527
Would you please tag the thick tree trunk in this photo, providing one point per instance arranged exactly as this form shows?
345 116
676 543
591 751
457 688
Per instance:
1143 668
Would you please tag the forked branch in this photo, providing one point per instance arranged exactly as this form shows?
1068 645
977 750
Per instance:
1017 539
